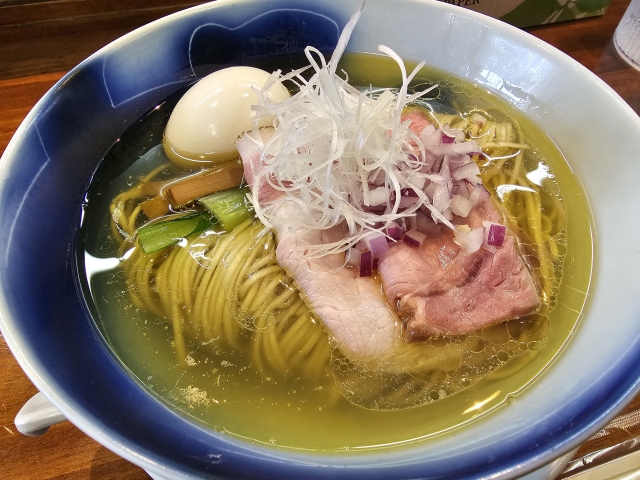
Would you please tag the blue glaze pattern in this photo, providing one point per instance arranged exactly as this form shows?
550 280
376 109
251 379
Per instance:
48 165
276 32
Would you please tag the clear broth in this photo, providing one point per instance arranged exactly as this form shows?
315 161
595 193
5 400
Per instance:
223 392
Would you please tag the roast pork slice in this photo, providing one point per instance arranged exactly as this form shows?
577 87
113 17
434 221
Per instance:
353 309
443 291
250 146
418 120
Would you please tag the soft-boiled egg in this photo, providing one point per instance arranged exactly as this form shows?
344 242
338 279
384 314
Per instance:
204 125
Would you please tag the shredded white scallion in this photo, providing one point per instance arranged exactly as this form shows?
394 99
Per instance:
331 143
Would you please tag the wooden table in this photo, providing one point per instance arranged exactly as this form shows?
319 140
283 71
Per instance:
65 452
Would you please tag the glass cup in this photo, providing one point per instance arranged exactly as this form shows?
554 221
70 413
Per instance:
627 36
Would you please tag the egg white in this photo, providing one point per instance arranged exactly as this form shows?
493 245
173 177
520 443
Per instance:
206 122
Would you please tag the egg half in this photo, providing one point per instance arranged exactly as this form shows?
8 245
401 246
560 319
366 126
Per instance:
205 123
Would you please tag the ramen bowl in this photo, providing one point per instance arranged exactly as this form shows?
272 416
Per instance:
49 163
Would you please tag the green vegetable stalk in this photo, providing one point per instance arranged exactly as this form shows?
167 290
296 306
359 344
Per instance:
231 207
163 234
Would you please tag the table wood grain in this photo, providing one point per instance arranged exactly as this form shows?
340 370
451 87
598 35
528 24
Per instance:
28 70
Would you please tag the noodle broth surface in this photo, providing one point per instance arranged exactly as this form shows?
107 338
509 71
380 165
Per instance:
227 390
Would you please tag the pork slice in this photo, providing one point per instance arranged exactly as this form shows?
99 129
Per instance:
353 309
445 291
419 121
250 146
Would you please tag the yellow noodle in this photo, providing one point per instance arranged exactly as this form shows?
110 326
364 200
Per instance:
209 290
519 146
264 273
254 287
230 288
275 358
292 344
181 350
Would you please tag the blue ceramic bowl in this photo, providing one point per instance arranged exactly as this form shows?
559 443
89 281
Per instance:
50 161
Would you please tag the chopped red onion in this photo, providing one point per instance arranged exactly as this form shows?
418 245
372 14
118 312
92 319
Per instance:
365 264
468 148
395 232
405 193
416 179
460 206
429 160
353 257
471 240
408 192
479 194
463 191
446 139
456 133
414 238
495 234
441 197
426 225
406 202
474 180
457 160
412 223
377 244
468 170
375 263
431 138
445 170
428 130
437 164
430 190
